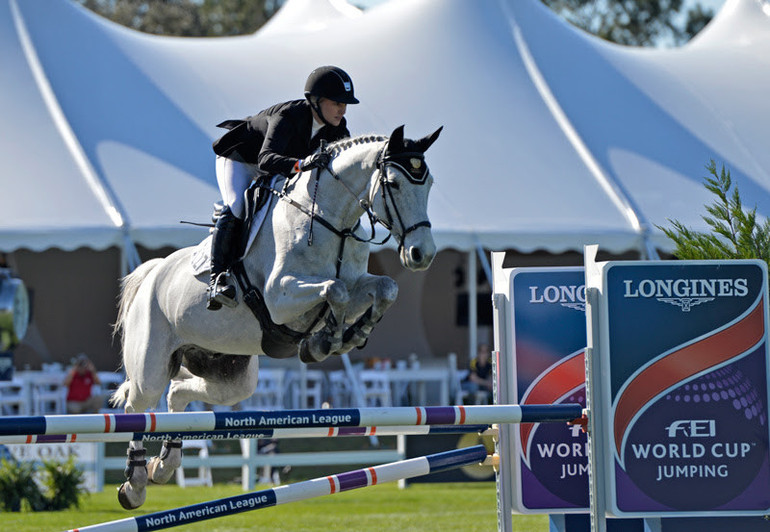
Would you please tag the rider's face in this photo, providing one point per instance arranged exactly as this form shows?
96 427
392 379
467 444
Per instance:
332 111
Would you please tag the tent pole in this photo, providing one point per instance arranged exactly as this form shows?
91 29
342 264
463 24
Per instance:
484 260
472 308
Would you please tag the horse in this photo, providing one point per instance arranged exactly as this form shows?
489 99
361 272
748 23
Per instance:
303 280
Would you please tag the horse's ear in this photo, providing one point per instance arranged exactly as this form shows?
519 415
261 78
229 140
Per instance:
424 143
396 140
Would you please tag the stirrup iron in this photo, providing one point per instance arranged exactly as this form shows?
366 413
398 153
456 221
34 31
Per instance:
220 292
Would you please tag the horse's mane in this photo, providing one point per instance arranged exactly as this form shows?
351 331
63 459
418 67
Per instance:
339 146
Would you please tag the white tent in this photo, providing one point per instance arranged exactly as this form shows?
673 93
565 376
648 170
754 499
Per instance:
552 139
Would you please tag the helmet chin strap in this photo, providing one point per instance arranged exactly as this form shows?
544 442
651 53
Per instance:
317 109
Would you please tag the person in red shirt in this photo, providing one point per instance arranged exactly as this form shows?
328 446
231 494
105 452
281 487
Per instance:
79 382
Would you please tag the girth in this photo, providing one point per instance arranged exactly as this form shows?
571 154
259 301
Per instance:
278 341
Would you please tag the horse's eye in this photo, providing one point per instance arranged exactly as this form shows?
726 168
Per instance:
392 183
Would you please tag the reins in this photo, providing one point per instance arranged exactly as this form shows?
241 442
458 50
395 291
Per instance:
365 203
253 297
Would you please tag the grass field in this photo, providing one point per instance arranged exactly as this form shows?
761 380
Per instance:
463 507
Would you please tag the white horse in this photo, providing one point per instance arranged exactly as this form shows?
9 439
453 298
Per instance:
304 278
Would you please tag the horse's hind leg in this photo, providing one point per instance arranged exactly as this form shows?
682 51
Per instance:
131 494
227 387
217 380
146 360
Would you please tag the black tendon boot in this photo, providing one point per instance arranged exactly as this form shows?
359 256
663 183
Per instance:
224 246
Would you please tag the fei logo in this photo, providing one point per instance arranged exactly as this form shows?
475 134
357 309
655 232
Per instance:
685 293
693 428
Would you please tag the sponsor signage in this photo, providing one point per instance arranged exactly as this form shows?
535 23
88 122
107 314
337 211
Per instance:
87 457
548 332
680 355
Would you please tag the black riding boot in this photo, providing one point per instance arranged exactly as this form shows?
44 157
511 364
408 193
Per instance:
224 247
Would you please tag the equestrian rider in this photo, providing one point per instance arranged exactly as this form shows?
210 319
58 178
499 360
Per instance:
279 140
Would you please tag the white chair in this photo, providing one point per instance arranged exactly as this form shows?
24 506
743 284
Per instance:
49 394
110 381
269 394
375 386
399 388
456 378
340 389
204 472
314 390
53 367
14 398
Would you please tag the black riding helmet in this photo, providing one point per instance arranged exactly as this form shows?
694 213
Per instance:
332 83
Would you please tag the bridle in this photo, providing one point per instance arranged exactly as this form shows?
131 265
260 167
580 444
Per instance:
397 161
418 175
411 164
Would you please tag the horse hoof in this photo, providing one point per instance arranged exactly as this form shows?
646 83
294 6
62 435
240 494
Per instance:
125 500
306 356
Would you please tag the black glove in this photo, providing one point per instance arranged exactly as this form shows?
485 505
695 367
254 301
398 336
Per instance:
316 160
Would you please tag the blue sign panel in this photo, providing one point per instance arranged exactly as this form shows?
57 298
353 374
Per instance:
684 357
549 338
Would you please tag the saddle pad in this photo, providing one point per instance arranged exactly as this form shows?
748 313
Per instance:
201 257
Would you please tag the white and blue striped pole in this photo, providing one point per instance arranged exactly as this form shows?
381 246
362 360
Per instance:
238 434
272 419
318 487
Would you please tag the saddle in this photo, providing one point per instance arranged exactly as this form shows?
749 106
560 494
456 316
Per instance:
278 341
257 205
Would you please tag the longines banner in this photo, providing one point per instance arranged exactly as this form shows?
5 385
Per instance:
549 338
681 356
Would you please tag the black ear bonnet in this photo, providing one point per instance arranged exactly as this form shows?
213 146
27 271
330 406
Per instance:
409 155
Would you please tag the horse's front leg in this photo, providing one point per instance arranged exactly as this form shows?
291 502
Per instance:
290 297
296 301
370 298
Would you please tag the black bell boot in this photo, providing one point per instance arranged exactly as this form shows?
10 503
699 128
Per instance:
224 246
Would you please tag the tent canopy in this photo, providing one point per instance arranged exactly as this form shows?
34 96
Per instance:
553 138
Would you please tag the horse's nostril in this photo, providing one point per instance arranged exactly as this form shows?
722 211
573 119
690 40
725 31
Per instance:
416 254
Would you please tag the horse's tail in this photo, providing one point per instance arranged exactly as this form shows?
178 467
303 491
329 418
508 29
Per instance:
120 396
129 286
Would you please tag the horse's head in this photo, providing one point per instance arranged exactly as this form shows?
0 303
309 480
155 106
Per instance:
404 184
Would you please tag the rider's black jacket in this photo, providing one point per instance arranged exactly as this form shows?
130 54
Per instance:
275 138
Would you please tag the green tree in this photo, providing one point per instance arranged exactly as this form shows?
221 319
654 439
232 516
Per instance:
634 22
187 18
736 234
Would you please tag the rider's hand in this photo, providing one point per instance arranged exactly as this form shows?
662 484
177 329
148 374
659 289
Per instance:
316 160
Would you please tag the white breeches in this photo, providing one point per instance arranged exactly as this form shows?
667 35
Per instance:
233 178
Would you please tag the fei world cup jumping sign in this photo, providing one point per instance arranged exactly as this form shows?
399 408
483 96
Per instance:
677 387
551 464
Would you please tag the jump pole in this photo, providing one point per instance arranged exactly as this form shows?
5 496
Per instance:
319 432
327 418
318 487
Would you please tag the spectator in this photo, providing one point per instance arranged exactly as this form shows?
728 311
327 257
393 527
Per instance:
479 378
79 382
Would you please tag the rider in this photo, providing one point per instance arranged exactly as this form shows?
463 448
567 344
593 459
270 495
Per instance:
279 140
